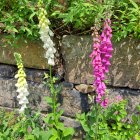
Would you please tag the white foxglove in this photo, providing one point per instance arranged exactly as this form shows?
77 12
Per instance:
22 86
45 36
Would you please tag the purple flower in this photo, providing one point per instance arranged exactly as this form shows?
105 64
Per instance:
97 67
102 52
104 102
106 45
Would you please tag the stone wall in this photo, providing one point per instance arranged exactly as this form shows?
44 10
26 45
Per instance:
74 74
125 68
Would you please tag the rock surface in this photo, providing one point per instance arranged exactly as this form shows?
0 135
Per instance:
71 100
75 52
125 69
32 53
132 96
85 88
9 71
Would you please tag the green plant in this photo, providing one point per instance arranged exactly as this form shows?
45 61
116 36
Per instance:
15 127
27 127
55 128
94 124
119 127
81 13
126 19
6 122
19 18
109 123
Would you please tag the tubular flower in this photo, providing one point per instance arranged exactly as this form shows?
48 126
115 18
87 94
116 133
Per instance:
45 36
102 52
97 68
22 86
106 45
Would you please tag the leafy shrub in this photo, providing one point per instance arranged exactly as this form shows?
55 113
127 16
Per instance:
76 16
126 19
15 127
110 123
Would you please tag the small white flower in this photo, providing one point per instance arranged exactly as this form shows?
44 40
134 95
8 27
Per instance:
46 46
23 107
16 76
51 61
23 100
47 55
51 33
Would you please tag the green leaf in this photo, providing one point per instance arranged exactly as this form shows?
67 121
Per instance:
46 135
49 100
47 119
14 30
55 13
28 31
113 126
30 137
134 4
85 127
91 134
68 131
36 132
54 135
128 126
87 4
32 15
137 137
60 126
59 114
118 118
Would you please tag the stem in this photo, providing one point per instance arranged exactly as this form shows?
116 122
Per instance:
53 94
54 99
96 127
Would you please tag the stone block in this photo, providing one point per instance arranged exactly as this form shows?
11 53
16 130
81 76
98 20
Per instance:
31 51
34 75
71 101
132 96
125 68
75 52
7 71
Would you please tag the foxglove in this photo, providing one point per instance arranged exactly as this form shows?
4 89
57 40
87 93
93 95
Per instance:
97 67
102 52
22 86
45 36
106 45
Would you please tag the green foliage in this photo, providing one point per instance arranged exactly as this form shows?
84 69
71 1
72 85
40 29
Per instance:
117 120
82 14
126 19
6 121
19 18
28 125
55 128
110 123
14 127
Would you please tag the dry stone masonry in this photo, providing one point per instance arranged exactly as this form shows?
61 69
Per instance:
125 68
74 75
